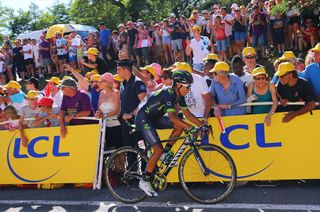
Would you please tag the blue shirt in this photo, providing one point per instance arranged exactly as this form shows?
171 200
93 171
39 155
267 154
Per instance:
312 74
235 95
94 98
104 37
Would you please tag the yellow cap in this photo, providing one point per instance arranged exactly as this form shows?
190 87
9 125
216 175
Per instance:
66 77
192 17
196 27
95 78
149 69
183 66
284 68
195 11
116 77
32 94
211 57
258 71
93 51
316 48
55 80
287 55
94 71
242 7
13 84
247 51
220 66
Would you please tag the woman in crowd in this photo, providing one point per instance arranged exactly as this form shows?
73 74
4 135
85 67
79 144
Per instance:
142 44
262 91
166 42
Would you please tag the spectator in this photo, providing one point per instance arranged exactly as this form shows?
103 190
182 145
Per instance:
198 99
10 114
221 38
44 56
199 45
33 84
312 72
28 57
49 114
18 59
75 103
105 40
91 87
227 91
166 79
300 65
237 65
311 33
157 47
142 44
16 96
186 31
132 33
176 38
8 56
228 21
2 71
293 26
249 58
258 23
115 41
166 42
55 93
123 38
92 40
36 59
62 52
117 82
209 63
132 93
291 88
109 108
92 61
72 49
148 73
263 91
278 33
239 26
28 111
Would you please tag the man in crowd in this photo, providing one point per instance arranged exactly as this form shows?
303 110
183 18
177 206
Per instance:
62 51
199 46
291 88
176 37
92 61
105 40
237 65
28 57
33 84
228 21
133 92
44 55
18 59
132 32
75 103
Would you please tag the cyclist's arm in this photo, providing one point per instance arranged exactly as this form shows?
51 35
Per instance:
191 117
177 121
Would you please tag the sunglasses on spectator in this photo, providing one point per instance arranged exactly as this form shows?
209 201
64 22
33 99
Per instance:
93 81
259 78
250 57
285 75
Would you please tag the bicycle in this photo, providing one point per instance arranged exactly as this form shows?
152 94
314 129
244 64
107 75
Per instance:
201 167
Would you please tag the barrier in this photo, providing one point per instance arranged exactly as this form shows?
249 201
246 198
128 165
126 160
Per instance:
283 151
50 158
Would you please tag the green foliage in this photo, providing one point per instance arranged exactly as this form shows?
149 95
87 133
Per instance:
279 9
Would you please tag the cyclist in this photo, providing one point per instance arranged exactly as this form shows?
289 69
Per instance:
151 117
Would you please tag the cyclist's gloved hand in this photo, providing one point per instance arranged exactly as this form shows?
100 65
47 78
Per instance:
192 130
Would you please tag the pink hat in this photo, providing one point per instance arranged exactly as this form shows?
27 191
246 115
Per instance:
108 77
157 67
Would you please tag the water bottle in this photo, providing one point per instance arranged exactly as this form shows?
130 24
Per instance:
252 98
168 157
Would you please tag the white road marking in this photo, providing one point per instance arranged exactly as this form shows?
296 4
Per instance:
34 207
165 205
105 207
57 209
14 209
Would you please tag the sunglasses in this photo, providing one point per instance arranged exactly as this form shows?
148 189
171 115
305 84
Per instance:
93 81
250 57
188 86
284 75
259 78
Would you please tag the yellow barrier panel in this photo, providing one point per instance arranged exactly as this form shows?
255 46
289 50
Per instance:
281 151
48 158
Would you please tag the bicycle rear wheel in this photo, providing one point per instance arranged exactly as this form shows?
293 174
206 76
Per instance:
221 176
123 171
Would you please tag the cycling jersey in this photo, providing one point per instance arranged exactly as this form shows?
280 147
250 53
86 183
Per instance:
161 102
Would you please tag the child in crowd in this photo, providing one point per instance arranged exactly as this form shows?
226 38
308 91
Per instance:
221 39
49 114
11 115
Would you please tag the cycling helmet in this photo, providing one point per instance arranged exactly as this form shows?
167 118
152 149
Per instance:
181 76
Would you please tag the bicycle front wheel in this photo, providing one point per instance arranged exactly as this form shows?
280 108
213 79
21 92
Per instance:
123 172
216 183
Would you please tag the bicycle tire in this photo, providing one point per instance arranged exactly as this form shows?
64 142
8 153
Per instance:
217 178
122 185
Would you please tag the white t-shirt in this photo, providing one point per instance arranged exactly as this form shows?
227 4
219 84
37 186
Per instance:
59 43
76 41
200 49
2 63
228 27
194 99
25 48
57 99
246 78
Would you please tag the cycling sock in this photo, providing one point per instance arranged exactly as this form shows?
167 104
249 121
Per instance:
147 176
167 148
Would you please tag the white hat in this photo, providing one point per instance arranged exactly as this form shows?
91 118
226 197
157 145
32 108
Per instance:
234 6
